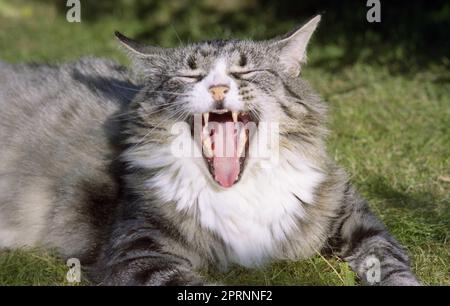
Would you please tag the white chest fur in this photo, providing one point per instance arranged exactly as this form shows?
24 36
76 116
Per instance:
252 216
259 212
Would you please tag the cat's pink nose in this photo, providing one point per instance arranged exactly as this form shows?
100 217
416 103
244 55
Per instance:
218 92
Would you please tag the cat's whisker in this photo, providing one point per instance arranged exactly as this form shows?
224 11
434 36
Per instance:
125 87
160 107
154 127
168 107
254 113
176 34
172 93
183 113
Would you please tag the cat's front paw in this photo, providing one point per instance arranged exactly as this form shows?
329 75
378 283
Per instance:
176 277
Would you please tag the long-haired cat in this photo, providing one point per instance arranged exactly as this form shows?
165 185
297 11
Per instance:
129 174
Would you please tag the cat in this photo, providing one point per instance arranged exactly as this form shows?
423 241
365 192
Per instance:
88 165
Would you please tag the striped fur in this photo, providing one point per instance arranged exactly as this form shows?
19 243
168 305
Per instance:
86 169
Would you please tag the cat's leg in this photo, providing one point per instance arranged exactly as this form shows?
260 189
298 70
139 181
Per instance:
142 255
361 239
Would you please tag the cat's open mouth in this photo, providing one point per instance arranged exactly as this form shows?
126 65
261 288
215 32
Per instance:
225 143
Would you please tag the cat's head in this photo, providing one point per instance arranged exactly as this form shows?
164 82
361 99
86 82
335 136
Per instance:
223 89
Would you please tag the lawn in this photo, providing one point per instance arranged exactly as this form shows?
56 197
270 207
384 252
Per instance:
390 129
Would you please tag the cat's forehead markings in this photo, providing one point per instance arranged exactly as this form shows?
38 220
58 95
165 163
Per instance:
208 49
219 68
220 65
218 72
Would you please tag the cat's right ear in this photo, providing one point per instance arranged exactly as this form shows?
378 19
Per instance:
136 48
292 48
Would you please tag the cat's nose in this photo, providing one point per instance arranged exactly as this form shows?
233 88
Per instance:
218 92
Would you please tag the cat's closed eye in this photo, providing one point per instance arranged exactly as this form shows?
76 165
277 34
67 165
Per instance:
192 78
248 74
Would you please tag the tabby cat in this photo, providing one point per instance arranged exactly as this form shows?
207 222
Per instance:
126 170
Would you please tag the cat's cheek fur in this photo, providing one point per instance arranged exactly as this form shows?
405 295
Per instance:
200 100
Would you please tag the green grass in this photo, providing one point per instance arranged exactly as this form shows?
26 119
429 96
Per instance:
390 130
32 267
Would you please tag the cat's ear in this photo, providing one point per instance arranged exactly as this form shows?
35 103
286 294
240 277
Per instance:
136 48
146 60
292 48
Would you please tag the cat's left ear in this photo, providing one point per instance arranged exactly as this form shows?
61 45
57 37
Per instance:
136 48
146 59
292 49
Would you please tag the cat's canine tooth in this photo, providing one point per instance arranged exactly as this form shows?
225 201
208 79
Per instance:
242 142
206 118
205 132
235 116
207 147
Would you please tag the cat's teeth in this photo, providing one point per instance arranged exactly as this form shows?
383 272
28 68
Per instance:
206 118
235 116
205 132
242 142
207 147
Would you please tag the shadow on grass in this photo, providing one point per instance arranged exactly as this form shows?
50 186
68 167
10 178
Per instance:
411 36
417 216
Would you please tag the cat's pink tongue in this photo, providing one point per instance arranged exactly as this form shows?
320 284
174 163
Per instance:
226 160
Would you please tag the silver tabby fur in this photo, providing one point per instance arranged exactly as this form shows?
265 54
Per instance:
84 170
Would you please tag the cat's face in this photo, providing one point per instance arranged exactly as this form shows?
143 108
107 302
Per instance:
224 90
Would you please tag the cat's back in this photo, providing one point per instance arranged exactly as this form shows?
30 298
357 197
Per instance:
89 83
59 133
70 108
